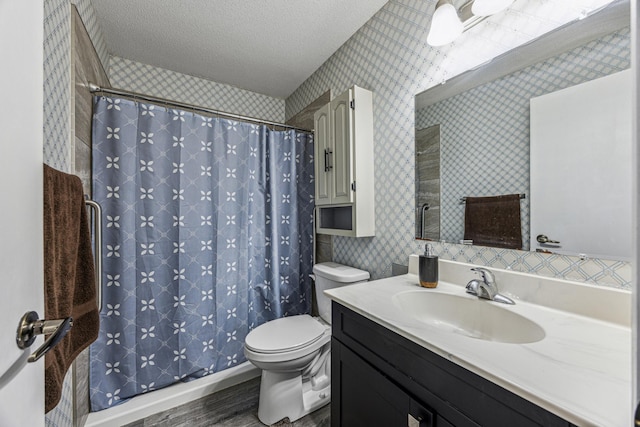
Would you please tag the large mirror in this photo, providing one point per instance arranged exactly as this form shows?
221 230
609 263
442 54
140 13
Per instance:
477 143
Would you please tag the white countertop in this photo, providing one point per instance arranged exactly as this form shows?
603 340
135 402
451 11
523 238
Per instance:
580 371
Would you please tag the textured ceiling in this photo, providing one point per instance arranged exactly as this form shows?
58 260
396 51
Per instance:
266 46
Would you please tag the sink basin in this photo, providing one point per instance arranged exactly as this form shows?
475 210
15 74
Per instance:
472 317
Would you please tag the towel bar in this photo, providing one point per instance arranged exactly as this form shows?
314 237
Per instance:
97 236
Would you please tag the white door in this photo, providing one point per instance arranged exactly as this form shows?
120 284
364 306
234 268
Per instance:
21 82
581 169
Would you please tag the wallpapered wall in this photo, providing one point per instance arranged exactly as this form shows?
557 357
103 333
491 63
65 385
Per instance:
389 55
143 78
489 125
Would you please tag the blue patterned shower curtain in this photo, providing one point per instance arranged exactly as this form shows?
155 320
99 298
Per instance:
208 233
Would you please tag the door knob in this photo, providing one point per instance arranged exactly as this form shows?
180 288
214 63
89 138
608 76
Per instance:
30 327
544 239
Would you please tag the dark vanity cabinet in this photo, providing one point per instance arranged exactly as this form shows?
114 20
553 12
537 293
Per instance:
382 379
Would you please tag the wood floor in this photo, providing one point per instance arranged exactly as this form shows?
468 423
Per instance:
234 407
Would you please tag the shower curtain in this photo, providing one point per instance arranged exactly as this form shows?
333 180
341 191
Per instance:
208 233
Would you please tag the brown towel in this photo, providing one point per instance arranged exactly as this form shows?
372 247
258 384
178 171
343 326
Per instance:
493 221
69 275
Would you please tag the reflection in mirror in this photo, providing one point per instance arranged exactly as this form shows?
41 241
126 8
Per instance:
428 183
484 117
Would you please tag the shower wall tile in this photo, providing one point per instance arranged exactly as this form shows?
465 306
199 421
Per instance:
90 20
389 55
82 166
324 248
304 118
81 386
87 68
159 82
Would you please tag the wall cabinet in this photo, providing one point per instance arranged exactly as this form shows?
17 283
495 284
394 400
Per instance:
344 175
379 378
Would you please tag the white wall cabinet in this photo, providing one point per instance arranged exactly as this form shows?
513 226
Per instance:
344 165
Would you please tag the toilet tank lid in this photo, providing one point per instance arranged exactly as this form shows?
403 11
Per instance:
340 273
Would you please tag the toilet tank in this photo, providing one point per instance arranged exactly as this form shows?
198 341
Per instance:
330 275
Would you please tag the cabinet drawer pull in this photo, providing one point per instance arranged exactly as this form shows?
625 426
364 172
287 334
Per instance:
327 159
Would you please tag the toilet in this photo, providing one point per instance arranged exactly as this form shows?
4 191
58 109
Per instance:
294 352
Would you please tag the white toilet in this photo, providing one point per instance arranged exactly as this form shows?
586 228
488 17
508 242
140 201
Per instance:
294 352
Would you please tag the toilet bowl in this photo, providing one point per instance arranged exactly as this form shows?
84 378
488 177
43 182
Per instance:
294 353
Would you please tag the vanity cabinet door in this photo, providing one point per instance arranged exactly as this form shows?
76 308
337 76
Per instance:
362 396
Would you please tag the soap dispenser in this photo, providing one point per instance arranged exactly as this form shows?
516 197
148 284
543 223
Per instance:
428 268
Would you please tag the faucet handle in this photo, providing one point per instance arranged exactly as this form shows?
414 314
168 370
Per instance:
487 275
472 287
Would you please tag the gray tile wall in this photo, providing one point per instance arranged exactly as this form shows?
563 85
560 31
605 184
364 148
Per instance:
428 182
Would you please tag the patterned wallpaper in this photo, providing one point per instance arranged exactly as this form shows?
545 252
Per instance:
485 131
389 55
57 84
147 79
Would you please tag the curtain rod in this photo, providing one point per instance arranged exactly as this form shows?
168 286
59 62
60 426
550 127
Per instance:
93 88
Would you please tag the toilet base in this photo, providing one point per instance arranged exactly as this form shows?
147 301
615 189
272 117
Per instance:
286 395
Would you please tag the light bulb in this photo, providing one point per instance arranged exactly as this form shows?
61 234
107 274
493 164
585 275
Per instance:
489 7
445 25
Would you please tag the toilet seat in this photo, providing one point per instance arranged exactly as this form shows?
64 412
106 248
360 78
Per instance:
298 337
285 334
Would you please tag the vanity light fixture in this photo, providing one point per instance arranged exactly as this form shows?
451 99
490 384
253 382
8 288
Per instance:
489 7
449 22
446 25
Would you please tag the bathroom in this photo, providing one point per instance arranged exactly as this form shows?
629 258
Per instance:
387 55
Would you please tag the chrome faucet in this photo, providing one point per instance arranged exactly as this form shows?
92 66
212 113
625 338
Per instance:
486 288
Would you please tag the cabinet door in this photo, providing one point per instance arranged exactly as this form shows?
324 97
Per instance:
342 133
322 160
362 396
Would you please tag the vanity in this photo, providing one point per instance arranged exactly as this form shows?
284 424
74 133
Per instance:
406 355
